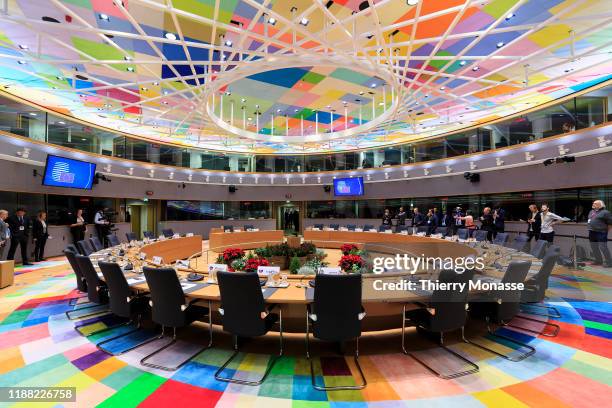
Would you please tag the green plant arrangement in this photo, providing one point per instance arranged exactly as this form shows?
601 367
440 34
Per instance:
220 259
263 252
312 266
295 265
238 264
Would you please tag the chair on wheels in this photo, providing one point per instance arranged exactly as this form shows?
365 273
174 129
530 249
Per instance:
383 228
501 238
503 307
335 227
168 232
169 309
131 236
123 303
244 314
441 230
335 315
449 314
248 227
228 228
85 247
318 226
423 229
97 293
80 279
351 227
113 240
72 248
96 244
520 243
463 233
367 227
539 249
480 235
401 228
149 234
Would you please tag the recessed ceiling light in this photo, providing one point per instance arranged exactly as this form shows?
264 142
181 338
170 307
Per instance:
170 36
500 44
24 47
21 62
412 2
59 78
442 88
304 21
271 21
155 83
33 114
381 103
373 86
130 69
249 118
144 88
243 100
228 93
476 68
61 122
462 63
228 43
103 16
127 58
509 16
165 92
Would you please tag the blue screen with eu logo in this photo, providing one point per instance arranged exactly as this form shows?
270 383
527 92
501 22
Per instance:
64 172
348 186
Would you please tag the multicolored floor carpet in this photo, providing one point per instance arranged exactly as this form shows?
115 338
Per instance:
39 346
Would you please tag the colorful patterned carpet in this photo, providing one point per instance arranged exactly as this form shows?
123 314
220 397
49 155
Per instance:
39 346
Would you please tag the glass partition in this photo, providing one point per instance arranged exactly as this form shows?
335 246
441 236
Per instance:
589 109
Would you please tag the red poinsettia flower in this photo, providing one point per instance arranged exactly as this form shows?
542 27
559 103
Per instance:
350 262
230 254
348 248
253 263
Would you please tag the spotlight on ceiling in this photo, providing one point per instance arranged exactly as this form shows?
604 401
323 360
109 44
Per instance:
471 177
476 68
500 44
462 63
104 17
304 21
170 36
272 21
228 43
24 47
509 16
412 2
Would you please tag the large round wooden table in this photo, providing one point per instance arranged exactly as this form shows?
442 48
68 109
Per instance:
383 307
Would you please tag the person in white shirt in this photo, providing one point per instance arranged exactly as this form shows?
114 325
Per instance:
5 233
102 224
549 219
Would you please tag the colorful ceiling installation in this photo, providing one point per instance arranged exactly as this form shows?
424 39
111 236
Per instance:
312 76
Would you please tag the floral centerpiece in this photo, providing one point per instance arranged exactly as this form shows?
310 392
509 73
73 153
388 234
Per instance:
232 254
351 263
349 249
252 264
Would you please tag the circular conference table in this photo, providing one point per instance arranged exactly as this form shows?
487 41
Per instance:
383 307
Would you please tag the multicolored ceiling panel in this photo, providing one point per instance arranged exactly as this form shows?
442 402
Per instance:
301 76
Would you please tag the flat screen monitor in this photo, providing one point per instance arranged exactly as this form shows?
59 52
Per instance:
70 173
352 186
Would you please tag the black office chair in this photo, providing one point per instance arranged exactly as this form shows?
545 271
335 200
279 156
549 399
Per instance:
441 230
520 243
228 228
149 234
249 227
501 307
401 228
72 248
463 233
335 315
423 229
85 247
480 235
168 232
169 310
97 293
96 244
131 236
318 226
367 227
113 240
539 249
351 227
501 238
123 303
383 228
335 227
450 314
80 279
242 305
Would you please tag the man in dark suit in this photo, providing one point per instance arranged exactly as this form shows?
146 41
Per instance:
20 229
534 222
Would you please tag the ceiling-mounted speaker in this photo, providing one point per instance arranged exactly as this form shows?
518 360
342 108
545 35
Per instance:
327 189
472 177
232 188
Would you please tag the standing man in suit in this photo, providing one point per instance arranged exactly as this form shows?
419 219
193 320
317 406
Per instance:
534 223
5 234
20 230
40 234
499 220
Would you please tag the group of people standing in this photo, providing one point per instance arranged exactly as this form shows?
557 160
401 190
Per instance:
15 232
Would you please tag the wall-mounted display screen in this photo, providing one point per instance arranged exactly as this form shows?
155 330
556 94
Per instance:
352 186
70 173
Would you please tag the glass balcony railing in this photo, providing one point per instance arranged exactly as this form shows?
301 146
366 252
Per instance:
587 110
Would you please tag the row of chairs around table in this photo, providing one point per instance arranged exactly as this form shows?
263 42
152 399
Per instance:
334 315
89 246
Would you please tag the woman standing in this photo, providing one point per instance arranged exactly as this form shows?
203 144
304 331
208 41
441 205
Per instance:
78 226
40 235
